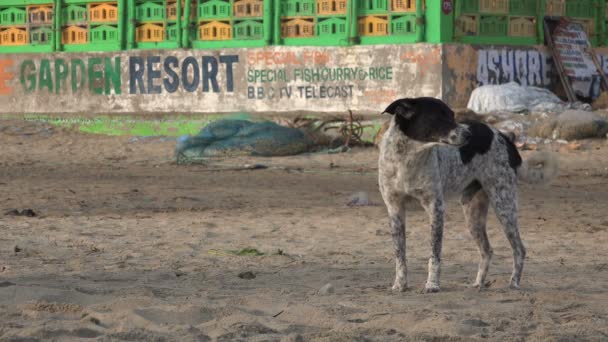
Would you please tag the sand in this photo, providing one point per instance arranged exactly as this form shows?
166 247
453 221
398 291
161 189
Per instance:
129 246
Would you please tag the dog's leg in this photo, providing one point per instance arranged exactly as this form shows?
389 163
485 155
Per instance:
396 213
475 205
503 198
435 210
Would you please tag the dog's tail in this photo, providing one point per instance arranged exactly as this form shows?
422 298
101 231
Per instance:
540 168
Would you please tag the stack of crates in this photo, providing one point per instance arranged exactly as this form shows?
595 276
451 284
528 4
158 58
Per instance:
224 23
26 27
323 22
89 25
378 21
156 23
498 20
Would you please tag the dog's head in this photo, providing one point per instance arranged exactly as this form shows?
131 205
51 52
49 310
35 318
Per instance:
427 119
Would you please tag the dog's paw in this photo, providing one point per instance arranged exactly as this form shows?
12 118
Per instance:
479 286
431 288
514 286
399 287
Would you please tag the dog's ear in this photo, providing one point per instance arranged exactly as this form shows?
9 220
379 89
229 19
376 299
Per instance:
401 107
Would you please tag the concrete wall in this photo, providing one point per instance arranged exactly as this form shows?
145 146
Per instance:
466 67
258 80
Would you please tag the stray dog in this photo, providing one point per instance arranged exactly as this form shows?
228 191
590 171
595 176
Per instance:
427 155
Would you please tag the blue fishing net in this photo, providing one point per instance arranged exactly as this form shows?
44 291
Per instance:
227 138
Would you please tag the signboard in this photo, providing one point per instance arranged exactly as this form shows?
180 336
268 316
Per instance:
572 48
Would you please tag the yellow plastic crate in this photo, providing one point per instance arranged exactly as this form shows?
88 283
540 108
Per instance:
467 25
555 8
522 27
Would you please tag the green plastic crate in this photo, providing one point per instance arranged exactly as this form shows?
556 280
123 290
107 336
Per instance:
335 26
214 9
369 7
13 16
297 8
468 6
523 7
403 25
493 26
580 8
248 29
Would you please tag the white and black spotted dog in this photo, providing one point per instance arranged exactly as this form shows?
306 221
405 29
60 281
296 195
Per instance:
427 155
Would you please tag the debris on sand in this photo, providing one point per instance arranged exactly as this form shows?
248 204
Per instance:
360 199
24 212
571 125
327 289
246 275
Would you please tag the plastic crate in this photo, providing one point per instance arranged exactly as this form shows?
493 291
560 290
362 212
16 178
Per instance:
467 25
580 8
298 8
42 35
150 11
494 6
522 26
40 15
214 9
215 30
74 35
104 34
74 14
13 36
106 12
373 26
331 26
248 8
555 8
403 25
171 33
248 29
13 16
493 26
298 27
367 7
150 33
468 6
331 7
403 5
523 7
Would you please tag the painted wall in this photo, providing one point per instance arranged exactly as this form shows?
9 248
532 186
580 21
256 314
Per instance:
466 67
257 80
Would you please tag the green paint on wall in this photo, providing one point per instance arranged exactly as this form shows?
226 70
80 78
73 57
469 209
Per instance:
61 74
46 80
78 69
112 75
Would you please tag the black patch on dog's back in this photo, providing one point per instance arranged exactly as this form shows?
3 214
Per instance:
514 157
479 142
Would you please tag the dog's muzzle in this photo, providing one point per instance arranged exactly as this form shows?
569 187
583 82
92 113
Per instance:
458 136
